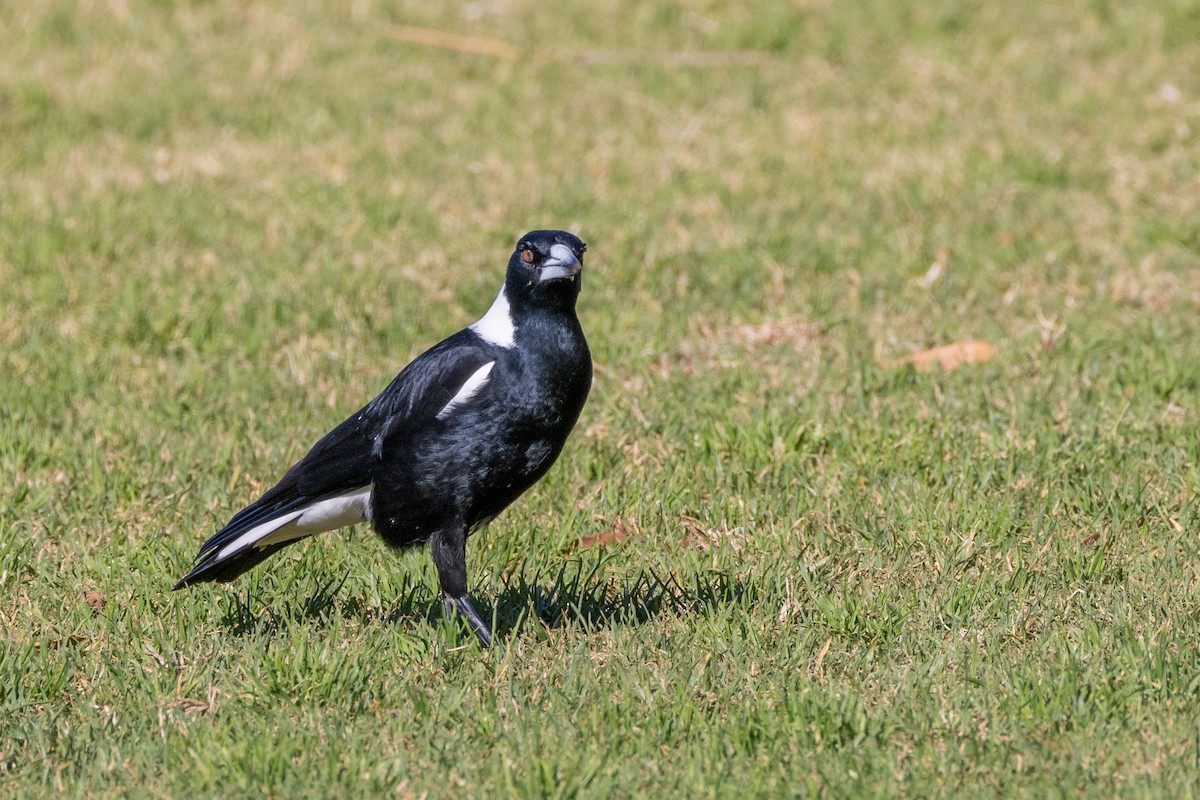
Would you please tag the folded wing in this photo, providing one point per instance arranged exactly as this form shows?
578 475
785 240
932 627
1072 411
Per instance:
331 486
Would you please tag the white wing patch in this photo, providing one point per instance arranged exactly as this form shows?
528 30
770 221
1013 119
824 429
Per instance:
323 515
497 326
477 381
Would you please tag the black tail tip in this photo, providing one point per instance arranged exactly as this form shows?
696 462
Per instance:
187 580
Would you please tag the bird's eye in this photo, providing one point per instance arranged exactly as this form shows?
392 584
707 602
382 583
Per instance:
527 255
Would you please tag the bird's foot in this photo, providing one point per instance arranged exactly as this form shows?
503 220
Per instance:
463 606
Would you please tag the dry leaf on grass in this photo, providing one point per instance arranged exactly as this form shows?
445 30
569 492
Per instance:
621 530
475 45
948 357
602 539
94 599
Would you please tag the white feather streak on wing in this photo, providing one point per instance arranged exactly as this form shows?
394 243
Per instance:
477 381
323 515
497 326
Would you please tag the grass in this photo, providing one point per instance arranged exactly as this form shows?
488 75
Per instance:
223 228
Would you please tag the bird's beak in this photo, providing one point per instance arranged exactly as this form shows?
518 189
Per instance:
562 263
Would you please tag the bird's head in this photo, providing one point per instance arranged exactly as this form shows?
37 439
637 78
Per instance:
545 269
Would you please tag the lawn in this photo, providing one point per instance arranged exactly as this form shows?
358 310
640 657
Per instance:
773 560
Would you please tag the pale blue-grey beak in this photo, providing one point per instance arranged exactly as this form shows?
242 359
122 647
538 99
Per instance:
562 263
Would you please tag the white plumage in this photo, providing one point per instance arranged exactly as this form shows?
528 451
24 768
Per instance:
323 515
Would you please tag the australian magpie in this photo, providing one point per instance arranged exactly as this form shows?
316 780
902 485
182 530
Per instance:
456 437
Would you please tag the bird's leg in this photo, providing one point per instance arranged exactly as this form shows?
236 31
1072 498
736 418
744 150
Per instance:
449 547
463 606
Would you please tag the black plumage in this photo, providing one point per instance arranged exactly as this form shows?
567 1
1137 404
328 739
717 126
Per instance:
455 438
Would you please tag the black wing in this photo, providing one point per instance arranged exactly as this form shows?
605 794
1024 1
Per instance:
425 386
344 459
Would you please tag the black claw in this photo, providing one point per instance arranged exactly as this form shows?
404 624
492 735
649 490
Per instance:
463 606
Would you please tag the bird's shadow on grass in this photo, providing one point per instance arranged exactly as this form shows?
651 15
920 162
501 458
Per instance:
582 596
576 595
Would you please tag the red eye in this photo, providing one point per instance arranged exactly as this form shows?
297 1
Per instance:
527 255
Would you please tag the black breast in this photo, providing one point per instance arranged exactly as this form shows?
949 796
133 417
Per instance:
471 466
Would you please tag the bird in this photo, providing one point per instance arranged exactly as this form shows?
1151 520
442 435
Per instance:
453 440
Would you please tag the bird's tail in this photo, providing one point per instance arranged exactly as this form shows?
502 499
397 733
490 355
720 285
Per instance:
259 530
214 568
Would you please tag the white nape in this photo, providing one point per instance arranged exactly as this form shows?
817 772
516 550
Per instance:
497 324
323 515
469 389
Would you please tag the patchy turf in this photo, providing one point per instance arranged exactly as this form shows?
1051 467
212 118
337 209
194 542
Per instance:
771 562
